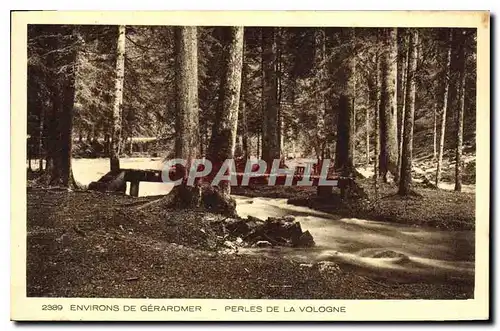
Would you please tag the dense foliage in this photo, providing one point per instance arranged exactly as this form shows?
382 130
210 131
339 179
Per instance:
309 72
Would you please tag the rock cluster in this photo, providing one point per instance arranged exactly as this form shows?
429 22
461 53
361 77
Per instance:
284 231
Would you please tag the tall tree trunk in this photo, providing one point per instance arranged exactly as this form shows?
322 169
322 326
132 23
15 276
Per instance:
243 107
60 124
202 138
259 147
402 49
187 134
41 131
404 85
66 130
367 127
224 133
344 152
116 130
245 140
460 118
443 111
354 120
270 127
263 100
51 165
434 135
30 148
107 142
388 105
60 147
376 118
320 96
279 80
406 156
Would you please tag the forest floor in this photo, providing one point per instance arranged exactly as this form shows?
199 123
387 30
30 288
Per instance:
91 244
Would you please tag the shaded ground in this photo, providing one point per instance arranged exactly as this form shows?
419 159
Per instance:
89 244
437 208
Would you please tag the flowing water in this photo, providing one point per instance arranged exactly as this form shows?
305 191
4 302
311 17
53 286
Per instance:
388 250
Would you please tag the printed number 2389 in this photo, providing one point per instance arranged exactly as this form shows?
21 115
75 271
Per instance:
52 307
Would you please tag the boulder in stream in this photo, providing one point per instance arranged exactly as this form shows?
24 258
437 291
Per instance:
262 243
284 231
305 240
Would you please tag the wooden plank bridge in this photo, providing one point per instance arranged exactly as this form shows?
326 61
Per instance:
116 181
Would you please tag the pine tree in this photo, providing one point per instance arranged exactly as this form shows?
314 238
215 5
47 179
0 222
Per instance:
460 114
243 117
434 134
406 156
376 118
186 76
270 127
60 46
403 87
344 154
388 105
367 128
223 139
118 100
443 110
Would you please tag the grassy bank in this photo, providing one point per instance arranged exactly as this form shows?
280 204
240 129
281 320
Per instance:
89 244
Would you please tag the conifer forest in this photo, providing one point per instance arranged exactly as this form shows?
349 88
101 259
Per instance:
391 112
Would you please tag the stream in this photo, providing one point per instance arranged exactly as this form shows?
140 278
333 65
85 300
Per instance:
384 250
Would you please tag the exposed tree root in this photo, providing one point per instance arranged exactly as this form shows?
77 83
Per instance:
351 190
194 197
47 180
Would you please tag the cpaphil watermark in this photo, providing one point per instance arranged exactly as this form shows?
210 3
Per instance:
181 171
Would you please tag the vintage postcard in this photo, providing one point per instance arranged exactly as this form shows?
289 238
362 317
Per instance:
250 166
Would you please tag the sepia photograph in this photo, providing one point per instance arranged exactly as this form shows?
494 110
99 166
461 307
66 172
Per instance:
287 161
